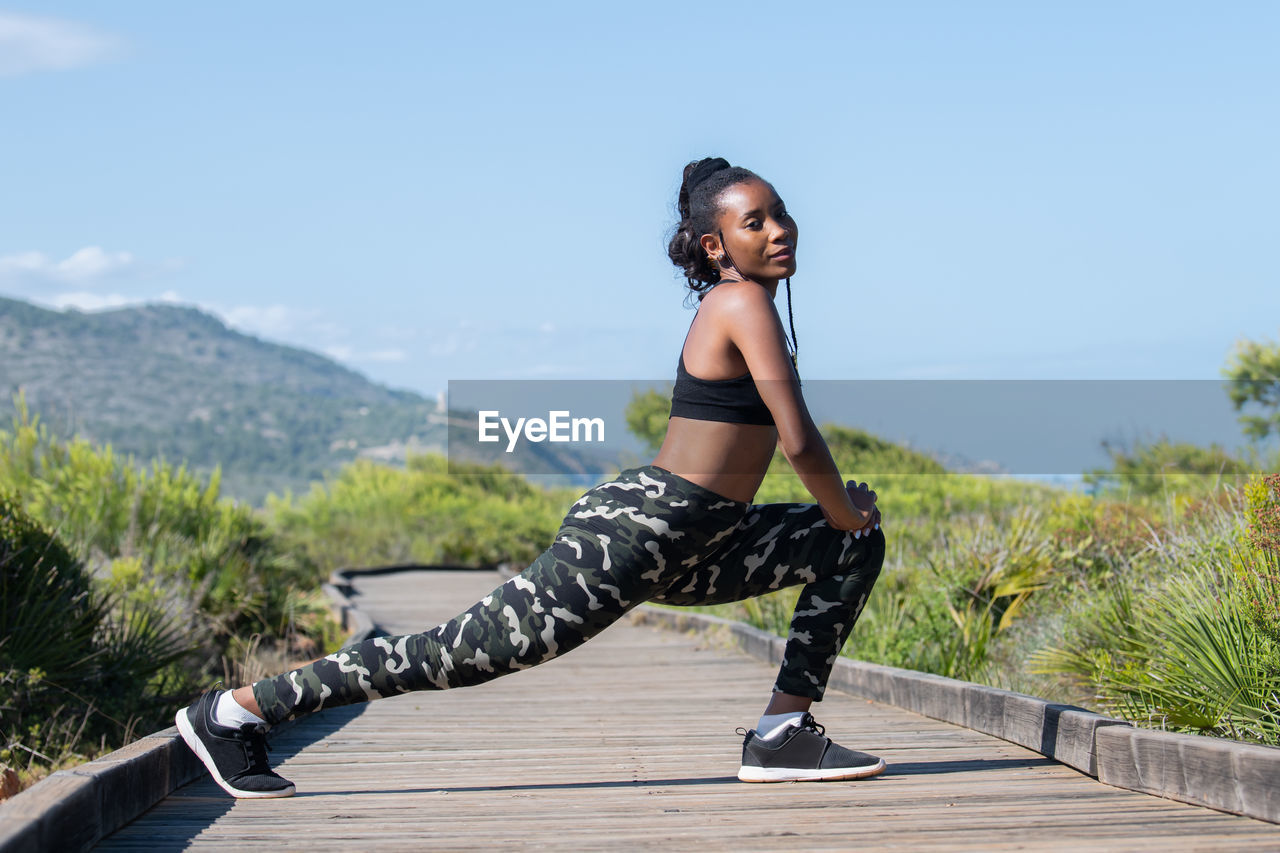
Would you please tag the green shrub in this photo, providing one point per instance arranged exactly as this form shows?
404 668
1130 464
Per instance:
370 514
1258 565
1166 466
646 416
1184 656
1190 639
1099 537
78 671
161 537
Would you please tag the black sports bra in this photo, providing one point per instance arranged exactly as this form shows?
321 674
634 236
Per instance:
736 400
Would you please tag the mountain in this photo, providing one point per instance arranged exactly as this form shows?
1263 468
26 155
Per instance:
174 382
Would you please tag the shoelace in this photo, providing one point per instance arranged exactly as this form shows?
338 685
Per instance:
253 736
806 722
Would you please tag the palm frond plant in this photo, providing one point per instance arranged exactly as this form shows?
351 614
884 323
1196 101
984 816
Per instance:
80 668
1187 657
989 571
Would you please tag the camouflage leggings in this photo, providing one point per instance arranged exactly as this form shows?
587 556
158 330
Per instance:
648 535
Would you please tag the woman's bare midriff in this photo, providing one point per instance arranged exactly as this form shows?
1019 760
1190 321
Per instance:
728 459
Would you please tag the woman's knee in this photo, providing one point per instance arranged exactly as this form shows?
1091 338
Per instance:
861 567
875 548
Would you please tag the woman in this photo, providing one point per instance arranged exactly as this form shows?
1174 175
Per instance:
682 530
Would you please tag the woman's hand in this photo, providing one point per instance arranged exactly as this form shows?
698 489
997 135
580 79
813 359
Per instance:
861 495
864 500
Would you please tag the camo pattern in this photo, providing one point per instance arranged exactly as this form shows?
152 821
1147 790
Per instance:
649 534
781 545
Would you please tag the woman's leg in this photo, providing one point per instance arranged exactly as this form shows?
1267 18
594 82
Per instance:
553 606
777 545
564 597
619 544
780 545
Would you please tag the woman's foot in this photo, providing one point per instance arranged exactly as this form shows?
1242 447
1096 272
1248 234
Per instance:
235 757
802 753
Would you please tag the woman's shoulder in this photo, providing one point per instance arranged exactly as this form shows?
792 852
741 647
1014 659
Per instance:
733 306
731 297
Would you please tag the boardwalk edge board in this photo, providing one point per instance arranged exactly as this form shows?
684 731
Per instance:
355 622
1229 776
75 809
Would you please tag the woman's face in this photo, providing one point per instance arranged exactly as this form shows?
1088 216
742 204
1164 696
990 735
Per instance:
758 233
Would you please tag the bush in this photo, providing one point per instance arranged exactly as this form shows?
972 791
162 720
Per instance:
1098 537
646 416
1167 466
161 538
1184 656
77 671
1192 641
1258 568
370 514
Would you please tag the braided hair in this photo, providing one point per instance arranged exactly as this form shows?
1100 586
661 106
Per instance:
699 206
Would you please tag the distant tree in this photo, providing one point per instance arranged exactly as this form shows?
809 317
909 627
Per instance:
1254 373
1152 468
647 417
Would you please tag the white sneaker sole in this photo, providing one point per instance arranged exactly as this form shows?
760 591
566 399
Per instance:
189 735
791 774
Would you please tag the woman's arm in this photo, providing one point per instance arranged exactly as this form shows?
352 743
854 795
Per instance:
751 322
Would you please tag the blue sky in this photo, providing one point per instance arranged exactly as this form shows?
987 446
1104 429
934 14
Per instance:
984 190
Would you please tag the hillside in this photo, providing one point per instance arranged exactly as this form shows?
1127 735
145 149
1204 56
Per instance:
175 382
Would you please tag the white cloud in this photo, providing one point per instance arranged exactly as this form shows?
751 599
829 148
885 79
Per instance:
341 352
92 262
29 44
22 263
304 327
86 301
82 266
269 320
338 353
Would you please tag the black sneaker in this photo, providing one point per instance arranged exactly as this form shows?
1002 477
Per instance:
802 754
237 758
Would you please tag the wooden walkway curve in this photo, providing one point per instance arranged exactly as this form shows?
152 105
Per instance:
629 743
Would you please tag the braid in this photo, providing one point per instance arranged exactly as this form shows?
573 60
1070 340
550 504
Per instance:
791 320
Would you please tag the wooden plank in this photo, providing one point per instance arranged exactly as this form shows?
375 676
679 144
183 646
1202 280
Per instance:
19 834
1236 778
1062 732
628 743
66 809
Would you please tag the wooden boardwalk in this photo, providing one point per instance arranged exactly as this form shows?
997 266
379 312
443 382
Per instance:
629 743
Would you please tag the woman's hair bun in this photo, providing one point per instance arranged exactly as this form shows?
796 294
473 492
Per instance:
698 206
704 169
